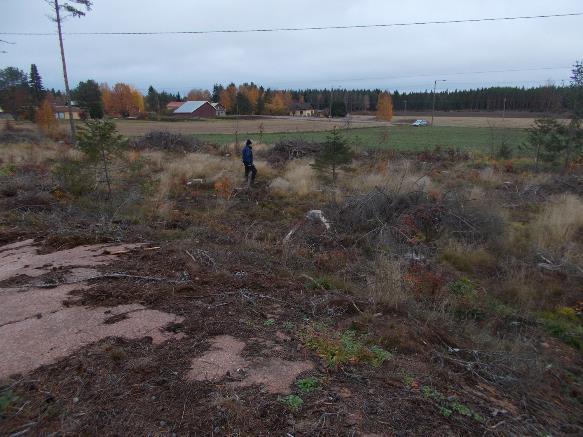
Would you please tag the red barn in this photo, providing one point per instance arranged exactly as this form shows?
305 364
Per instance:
174 105
197 108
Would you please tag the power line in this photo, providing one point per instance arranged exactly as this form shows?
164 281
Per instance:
310 28
442 74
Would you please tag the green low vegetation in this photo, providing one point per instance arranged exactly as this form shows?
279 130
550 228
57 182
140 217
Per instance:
399 138
292 402
309 384
348 347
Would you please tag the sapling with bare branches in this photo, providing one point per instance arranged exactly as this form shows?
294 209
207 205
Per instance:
101 142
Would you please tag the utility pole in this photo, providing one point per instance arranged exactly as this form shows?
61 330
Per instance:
504 110
67 90
331 98
434 90
405 112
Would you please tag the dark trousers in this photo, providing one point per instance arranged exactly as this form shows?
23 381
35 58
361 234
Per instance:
250 169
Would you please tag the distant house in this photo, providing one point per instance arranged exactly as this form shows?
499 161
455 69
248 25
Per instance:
172 106
196 108
221 112
302 110
62 112
5 115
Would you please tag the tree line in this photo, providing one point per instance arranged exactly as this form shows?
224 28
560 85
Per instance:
21 93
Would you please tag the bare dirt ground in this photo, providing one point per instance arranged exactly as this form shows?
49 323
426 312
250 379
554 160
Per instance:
294 124
255 124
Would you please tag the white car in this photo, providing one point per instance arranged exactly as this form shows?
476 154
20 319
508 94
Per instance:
418 123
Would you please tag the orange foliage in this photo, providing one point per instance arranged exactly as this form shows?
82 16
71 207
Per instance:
423 280
122 100
385 107
106 98
45 118
280 103
224 188
228 98
199 94
252 93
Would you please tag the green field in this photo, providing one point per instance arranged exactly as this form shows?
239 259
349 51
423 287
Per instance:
402 138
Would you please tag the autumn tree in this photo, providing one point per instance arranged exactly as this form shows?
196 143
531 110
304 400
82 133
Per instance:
64 9
37 90
122 100
280 103
106 98
335 154
228 98
385 107
45 118
199 94
251 94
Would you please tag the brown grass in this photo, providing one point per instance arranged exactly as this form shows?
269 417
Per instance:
28 153
386 285
244 126
554 229
394 176
298 178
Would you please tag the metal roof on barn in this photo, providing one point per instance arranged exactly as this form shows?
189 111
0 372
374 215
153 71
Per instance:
190 107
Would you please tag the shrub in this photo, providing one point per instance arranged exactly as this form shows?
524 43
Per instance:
308 385
293 402
461 287
342 347
74 177
288 150
170 142
562 325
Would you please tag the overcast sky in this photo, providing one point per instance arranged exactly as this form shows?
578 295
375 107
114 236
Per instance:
404 58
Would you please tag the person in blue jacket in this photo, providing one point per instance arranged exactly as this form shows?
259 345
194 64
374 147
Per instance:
248 161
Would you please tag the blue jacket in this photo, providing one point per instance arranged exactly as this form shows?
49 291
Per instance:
248 155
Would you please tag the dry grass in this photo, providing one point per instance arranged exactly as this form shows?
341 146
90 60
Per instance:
468 258
298 179
398 176
244 126
554 229
387 285
27 153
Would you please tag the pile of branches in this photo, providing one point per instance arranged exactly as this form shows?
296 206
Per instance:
288 150
439 154
166 141
386 217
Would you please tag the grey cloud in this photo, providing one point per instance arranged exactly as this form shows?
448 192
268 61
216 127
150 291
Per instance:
396 58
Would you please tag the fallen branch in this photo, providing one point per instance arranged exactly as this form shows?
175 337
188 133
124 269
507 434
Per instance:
110 276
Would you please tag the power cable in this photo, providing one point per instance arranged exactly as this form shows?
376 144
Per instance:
432 75
309 28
